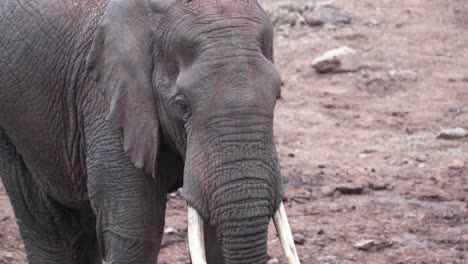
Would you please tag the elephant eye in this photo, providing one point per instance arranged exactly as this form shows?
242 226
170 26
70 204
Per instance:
182 105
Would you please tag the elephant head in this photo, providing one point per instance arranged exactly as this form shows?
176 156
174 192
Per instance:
197 77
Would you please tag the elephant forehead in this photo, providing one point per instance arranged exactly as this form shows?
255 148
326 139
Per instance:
240 32
222 5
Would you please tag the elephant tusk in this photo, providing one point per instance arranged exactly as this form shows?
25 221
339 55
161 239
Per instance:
196 237
284 232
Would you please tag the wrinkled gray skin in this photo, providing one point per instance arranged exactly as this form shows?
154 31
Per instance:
105 107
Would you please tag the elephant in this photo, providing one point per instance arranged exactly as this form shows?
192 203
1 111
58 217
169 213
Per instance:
106 106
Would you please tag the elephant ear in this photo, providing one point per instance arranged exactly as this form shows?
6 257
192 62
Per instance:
121 64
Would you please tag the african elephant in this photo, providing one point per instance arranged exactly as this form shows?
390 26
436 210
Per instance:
108 105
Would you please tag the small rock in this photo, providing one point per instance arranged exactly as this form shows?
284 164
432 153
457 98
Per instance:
298 239
329 27
328 191
8 256
422 158
350 189
365 245
372 23
362 155
343 189
327 260
291 155
403 75
302 197
291 7
273 261
372 245
282 32
327 14
456 110
343 59
453 133
434 196
284 16
378 186
170 231
457 164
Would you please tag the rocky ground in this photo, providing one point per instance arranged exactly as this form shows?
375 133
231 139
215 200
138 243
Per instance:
368 176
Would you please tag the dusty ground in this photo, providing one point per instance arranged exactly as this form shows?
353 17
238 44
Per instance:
368 137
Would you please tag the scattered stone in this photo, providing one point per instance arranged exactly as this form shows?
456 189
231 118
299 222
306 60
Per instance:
343 189
327 260
273 261
372 245
302 197
328 191
343 59
453 133
320 232
372 23
292 7
327 14
422 158
291 155
362 155
329 27
298 239
282 32
170 231
378 186
365 245
433 197
173 236
350 189
9 256
287 15
403 75
457 164
456 110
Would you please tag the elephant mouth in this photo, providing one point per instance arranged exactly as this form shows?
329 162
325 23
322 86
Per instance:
197 241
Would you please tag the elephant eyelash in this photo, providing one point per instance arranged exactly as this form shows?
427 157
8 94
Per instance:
183 107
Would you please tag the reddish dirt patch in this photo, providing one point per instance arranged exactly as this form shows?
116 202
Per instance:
353 141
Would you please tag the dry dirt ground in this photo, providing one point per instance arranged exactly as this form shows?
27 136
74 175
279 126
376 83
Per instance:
359 152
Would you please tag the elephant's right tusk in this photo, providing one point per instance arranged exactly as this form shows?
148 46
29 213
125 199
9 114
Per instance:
196 237
284 232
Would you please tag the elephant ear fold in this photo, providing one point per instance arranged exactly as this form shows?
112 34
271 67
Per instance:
121 64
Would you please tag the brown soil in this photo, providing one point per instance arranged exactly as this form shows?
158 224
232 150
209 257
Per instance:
359 151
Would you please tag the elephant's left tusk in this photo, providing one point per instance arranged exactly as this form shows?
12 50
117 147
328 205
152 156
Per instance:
196 237
284 232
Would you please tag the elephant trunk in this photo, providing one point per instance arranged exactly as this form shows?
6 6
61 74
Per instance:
242 222
239 187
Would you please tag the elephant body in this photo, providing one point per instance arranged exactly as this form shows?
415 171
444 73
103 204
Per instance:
44 89
100 119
